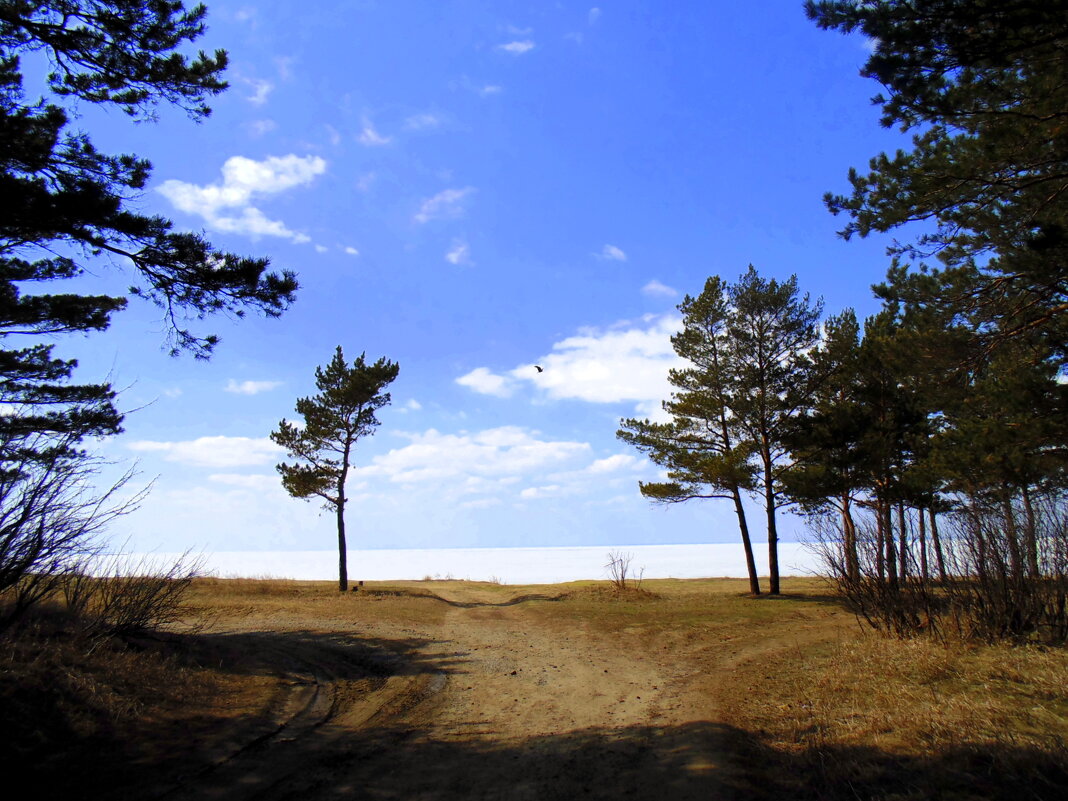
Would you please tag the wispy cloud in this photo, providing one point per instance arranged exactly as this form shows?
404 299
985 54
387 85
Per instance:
459 253
370 137
658 290
366 181
422 122
518 47
444 205
251 387
218 452
246 481
474 462
261 90
611 253
261 127
352 251
490 89
227 206
594 15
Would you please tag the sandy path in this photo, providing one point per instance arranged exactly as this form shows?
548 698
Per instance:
489 702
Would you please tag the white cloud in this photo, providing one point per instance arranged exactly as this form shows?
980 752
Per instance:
445 204
321 248
517 48
533 493
484 462
490 89
352 251
370 137
459 253
251 387
243 180
626 363
620 364
422 122
656 289
413 405
611 253
334 134
481 503
594 15
484 382
260 91
218 452
611 464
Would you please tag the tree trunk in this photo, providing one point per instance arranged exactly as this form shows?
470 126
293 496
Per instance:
880 541
342 546
342 549
1012 535
743 526
1030 534
940 557
891 550
902 543
925 573
849 540
773 533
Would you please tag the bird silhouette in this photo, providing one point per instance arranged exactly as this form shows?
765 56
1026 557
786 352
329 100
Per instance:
539 368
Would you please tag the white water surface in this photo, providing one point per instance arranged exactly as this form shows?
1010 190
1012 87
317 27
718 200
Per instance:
507 565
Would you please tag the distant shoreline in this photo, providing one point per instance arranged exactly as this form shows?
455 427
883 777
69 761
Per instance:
508 565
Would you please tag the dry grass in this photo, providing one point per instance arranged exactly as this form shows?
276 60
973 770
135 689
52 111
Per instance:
913 719
76 706
820 710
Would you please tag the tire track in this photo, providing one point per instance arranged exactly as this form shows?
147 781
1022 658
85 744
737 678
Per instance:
320 690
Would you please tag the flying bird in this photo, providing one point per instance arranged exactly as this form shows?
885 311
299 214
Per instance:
539 368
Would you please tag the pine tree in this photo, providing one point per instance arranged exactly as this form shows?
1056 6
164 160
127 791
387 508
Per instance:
770 332
67 204
984 86
704 453
334 420
750 376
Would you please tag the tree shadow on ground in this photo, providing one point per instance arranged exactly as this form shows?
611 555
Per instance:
413 761
698 760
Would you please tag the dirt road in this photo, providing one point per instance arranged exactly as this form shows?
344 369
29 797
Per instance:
479 698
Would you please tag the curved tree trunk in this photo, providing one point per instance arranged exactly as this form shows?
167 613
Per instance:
743 526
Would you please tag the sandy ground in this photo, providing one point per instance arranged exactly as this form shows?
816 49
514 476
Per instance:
482 700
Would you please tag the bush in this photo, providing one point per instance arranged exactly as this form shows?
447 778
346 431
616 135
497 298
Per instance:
1003 572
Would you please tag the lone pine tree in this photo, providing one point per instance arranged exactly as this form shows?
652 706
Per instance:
334 420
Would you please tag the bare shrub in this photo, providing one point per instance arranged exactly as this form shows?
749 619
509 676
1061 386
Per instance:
1003 572
51 516
120 595
619 572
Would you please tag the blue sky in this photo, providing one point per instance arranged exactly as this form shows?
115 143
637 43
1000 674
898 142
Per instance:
471 188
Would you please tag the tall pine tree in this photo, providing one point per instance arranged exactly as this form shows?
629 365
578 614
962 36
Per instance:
335 419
